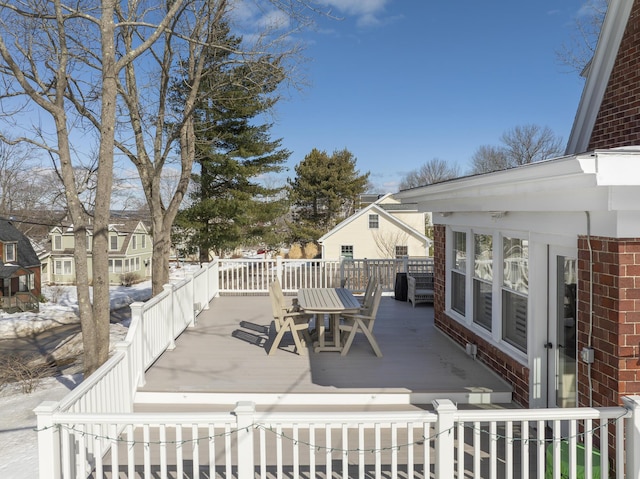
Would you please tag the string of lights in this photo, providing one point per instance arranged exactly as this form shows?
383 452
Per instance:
420 441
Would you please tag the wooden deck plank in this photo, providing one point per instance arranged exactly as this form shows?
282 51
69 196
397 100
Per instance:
418 359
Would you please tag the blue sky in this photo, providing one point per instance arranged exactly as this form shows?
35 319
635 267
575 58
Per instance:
400 82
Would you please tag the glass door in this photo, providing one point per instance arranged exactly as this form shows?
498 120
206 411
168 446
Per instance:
562 345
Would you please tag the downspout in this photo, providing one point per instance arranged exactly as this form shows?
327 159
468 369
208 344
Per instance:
590 333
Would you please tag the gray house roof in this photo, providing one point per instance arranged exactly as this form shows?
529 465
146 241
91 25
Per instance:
26 256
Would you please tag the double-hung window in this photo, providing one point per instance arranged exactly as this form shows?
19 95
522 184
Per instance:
401 251
63 267
374 222
515 291
483 280
57 242
346 251
10 252
113 242
458 272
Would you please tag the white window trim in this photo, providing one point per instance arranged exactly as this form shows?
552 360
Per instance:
13 247
493 337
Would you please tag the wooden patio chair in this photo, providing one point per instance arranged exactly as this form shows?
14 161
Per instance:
288 320
279 295
363 322
368 292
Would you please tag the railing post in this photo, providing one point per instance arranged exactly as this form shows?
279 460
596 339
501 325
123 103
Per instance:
444 438
170 316
192 299
244 412
215 276
279 269
49 466
632 403
128 381
136 315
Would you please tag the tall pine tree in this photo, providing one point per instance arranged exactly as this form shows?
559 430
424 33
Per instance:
324 192
229 204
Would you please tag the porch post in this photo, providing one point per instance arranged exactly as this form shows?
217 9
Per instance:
444 438
632 446
48 442
244 412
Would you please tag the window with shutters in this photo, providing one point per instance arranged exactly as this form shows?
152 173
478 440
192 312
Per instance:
515 291
483 280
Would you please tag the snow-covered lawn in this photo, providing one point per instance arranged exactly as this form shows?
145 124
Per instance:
18 439
62 308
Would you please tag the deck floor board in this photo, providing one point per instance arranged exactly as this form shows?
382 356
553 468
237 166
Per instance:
418 358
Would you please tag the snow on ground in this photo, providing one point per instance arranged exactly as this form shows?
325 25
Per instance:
18 438
62 308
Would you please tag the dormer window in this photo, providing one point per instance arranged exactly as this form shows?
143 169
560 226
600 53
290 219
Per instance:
57 242
113 242
10 253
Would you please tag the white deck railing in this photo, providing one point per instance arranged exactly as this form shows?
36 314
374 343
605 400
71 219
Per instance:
443 443
250 276
93 430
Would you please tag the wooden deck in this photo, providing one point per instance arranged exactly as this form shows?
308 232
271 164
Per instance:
211 365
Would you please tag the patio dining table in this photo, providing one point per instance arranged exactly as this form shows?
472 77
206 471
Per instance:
331 301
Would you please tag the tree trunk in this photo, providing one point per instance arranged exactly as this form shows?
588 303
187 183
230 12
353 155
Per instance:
96 349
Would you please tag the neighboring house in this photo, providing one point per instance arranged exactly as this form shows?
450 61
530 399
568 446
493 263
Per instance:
130 250
538 267
20 270
384 229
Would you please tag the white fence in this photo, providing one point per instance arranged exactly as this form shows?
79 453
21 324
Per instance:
251 276
94 433
443 443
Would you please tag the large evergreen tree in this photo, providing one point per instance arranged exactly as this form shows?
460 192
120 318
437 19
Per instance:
230 206
324 192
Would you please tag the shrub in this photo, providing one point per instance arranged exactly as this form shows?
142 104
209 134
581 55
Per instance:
311 250
56 293
128 279
27 371
295 252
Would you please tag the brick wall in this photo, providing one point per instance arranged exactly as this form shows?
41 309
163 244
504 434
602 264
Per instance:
618 120
512 371
616 319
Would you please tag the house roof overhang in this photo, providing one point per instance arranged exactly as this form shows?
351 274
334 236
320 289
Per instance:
606 182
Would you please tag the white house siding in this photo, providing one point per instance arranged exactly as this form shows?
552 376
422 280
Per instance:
365 240
411 218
